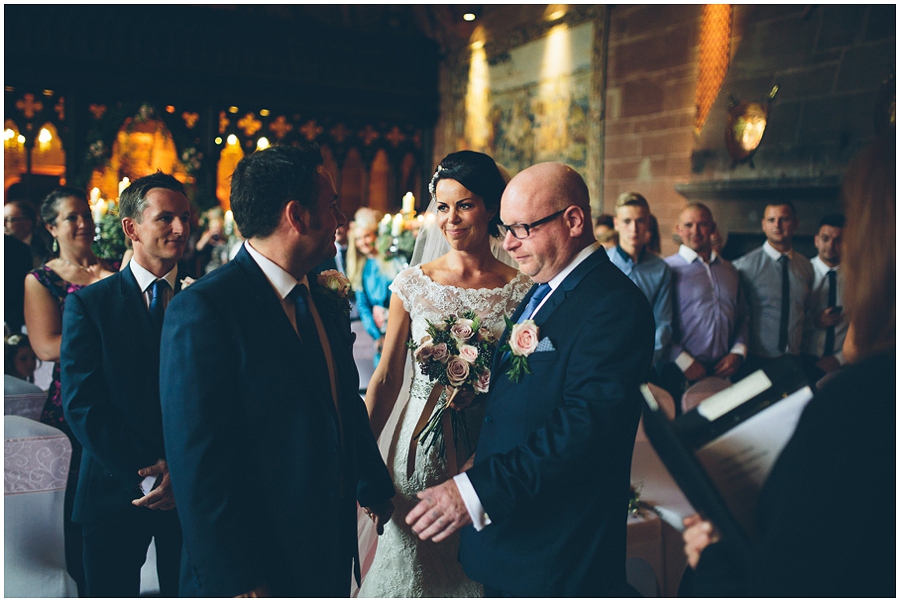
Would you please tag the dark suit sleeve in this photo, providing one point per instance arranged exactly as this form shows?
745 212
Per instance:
97 424
597 413
203 434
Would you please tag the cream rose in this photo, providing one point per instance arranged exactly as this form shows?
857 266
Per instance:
523 339
440 353
484 381
334 280
424 352
457 371
469 353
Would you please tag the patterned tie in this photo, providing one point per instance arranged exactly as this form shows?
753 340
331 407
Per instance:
539 293
309 334
157 304
832 301
785 303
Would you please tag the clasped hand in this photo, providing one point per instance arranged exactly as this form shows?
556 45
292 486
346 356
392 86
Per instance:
161 497
380 514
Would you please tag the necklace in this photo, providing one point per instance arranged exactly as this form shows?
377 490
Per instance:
87 269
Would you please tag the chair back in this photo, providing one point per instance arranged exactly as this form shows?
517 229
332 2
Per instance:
22 398
665 401
36 467
700 390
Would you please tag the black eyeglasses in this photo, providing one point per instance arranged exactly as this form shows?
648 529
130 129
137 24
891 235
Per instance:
521 231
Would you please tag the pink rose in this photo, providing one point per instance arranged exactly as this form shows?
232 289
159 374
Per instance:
523 339
468 353
440 353
457 371
462 330
484 381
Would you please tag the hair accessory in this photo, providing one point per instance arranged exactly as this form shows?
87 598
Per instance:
434 180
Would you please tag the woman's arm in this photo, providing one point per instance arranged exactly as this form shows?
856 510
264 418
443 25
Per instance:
388 377
43 320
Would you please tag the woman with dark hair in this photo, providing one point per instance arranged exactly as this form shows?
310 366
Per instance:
67 217
464 275
20 360
815 540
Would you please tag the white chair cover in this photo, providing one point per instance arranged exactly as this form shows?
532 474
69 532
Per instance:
700 390
22 398
36 464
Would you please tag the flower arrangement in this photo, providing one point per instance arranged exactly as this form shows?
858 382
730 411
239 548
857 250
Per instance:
457 354
637 506
109 240
336 287
522 341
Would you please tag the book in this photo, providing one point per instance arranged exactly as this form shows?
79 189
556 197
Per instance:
721 452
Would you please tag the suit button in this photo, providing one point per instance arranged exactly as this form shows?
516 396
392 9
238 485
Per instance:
487 419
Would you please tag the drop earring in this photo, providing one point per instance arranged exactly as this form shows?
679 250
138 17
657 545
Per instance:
55 245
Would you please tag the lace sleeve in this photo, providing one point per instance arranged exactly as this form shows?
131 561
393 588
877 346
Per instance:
401 286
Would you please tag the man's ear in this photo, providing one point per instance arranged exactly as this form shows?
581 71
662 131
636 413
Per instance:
297 216
128 228
574 217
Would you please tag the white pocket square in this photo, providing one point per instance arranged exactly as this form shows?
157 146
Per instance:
544 345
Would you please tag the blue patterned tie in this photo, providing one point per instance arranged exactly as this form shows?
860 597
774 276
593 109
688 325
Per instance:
157 305
539 293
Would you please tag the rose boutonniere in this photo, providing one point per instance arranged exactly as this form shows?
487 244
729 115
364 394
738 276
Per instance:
522 341
336 287
186 282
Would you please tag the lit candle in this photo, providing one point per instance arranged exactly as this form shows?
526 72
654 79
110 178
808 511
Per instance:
95 196
409 203
397 226
99 210
125 183
229 222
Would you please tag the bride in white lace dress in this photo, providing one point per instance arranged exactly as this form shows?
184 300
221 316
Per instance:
466 191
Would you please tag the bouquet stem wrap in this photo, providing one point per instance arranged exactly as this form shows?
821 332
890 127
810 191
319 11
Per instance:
427 424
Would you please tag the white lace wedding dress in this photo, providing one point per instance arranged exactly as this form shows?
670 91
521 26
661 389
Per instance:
404 566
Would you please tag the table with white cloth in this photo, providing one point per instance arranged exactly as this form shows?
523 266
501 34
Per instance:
658 489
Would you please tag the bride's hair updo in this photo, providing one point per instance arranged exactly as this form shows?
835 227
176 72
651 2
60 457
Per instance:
477 172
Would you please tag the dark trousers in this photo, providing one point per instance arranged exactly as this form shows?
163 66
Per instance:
116 549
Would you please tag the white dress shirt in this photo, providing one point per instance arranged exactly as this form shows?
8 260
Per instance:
145 279
813 336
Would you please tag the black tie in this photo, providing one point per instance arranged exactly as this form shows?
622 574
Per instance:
539 293
832 301
785 303
309 334
157 303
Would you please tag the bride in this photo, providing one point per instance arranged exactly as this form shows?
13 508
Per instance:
466 190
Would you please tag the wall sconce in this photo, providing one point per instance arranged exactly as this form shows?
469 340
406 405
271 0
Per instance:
744 128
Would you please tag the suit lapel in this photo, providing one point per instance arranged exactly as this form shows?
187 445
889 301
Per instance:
568 285
133 299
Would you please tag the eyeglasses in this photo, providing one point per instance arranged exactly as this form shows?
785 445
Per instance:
521 231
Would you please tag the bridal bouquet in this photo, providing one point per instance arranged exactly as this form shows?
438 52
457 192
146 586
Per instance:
457 354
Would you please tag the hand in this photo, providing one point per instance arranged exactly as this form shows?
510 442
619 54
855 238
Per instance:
260 592
695 372
827 317
728 365
380 316
440 513
161 498
380 514
828 364
697 535
463 399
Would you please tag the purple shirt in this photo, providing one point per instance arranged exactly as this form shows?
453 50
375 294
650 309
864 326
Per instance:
710 312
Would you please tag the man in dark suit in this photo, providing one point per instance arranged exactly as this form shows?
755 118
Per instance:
268 441
17 264
110 394
544 505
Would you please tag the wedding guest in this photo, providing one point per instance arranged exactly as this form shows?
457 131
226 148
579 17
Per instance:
339 261
605 231
20 360
826 326
20 221
710 326
212 248
777 281
653 240
842 456
646 269
371 276
67 217
267 440
110 388
16 265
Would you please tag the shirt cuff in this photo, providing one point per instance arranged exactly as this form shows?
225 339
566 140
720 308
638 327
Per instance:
739 349
479 517
684 361
840 358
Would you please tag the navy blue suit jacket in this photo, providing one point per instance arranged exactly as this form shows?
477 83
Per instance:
552 466
109 362
264 482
